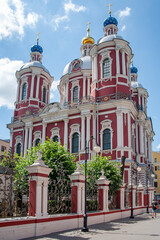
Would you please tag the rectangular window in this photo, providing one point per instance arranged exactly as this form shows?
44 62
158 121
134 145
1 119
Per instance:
155 160
155 184
3 148
155 168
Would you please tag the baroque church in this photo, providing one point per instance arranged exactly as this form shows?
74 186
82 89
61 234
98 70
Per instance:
101 102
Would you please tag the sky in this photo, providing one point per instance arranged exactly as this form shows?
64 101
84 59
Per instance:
62 25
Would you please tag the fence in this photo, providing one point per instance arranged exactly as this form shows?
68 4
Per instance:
13 196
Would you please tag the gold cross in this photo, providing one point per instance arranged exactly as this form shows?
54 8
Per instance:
109 8
38 36
88 24
88 29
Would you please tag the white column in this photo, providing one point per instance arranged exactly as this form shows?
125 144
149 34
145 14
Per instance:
38 198
88 88
32 85
151 159
67 91
141 138
37 88
129 130
139 100
26 139
45 197
88 127
84 86
119 129
30 137
94 128
123 63
95 68
11 137
83 132
145 143
137 136
44 132
117 61
66 132
18 85
143 102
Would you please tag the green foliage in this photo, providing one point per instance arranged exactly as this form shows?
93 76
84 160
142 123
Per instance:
111 171
55 156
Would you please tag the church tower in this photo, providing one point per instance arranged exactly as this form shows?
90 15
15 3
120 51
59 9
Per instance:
33 85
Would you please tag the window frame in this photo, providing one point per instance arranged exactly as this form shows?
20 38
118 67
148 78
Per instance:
22 91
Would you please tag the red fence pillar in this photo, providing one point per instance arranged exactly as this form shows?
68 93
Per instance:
103 188
78 182
38 187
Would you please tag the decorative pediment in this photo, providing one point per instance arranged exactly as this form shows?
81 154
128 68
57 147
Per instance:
51 108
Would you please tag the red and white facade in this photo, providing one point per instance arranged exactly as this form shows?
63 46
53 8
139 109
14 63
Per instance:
98 91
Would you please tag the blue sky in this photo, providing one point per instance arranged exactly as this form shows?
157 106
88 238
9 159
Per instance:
62 25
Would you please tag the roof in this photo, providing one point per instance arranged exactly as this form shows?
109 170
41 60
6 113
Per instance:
34 64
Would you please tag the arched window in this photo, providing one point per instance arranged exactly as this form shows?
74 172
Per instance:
85 52
18 149
75 94
24 91
75 143
106 68
37 142
44 95
106 139
55 139
109 32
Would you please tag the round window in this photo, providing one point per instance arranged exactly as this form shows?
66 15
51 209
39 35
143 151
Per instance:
76 66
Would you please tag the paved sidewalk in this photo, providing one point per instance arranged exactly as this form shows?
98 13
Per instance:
142 227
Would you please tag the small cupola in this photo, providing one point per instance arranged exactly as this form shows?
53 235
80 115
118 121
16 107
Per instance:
133 72
87 43
110 24
36 51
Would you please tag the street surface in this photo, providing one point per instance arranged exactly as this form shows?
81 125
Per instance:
142 227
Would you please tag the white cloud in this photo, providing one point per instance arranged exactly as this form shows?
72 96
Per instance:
73 7
123 28
54 89
57 20
13 18
8 83
158 147
68 7
125 12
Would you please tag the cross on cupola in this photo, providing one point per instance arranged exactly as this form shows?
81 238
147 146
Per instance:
109 8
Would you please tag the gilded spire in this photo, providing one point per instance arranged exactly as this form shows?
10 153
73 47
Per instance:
109 8
88 39
88 30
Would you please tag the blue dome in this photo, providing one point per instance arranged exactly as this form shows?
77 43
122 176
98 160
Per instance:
110 20
133 69
37 48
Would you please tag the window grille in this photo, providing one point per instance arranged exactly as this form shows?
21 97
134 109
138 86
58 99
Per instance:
55 139
106 139
18 149
44 95
106 68
75 143
37 142
24 91
75 94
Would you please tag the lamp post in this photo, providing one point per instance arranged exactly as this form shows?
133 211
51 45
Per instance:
96 150
132 173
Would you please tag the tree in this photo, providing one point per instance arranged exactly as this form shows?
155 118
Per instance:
111 171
